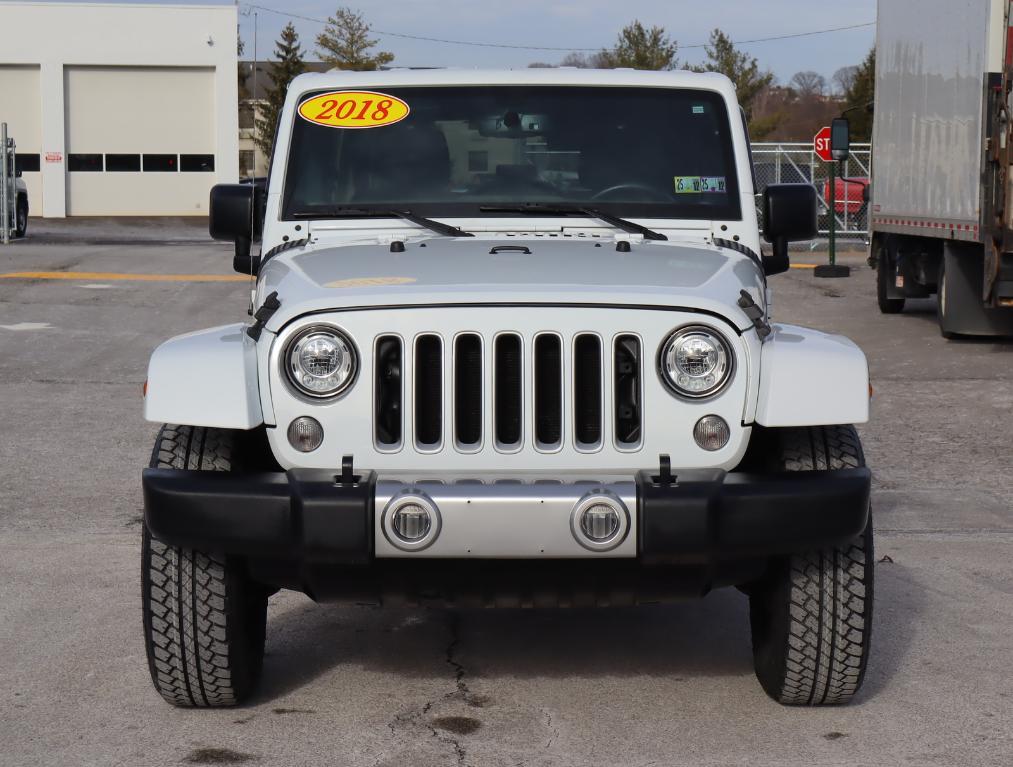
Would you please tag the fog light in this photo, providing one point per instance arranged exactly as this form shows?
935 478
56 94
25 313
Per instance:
711 432
411 521
599 521
305 434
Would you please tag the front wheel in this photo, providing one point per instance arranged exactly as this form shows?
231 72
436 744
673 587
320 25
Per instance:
811 615
204 619
21 218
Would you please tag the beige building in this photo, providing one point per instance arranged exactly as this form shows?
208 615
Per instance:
120 109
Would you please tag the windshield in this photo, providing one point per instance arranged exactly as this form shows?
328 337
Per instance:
647 152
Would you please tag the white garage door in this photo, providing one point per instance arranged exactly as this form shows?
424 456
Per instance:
21 109
140 140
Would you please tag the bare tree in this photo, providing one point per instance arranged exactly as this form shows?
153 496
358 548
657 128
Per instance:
809 83
844 79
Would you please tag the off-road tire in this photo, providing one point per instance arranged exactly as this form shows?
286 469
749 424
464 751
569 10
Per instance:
884 274
204 620
811 616
21 218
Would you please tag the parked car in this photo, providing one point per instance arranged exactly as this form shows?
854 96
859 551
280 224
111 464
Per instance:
466 382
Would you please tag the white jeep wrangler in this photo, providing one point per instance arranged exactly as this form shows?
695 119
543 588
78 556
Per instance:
510 346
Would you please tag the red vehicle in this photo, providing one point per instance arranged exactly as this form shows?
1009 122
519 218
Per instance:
851 196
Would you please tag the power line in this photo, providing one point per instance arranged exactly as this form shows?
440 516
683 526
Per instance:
789 36
384 33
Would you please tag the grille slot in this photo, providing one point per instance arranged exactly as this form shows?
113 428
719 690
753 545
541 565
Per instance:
587 386
388 393
468 390
627 387
548 368
428 401
508 390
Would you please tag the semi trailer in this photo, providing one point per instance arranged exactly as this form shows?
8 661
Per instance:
940 221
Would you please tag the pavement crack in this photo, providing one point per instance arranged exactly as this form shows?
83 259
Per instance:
553 730
450 658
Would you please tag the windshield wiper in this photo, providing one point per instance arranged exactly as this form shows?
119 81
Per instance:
353 212
548 210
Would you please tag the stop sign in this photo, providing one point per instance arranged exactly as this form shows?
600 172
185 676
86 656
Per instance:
821 144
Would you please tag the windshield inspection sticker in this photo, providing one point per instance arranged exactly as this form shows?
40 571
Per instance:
354 109
712 184
687 184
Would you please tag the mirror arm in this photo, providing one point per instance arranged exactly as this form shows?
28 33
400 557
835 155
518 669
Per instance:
777 262
242 261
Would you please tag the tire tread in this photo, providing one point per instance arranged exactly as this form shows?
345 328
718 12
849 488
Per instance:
189 621
825 642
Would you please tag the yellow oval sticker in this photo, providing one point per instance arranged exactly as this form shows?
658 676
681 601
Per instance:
354 109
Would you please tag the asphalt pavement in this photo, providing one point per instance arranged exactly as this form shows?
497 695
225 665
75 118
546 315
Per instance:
363 686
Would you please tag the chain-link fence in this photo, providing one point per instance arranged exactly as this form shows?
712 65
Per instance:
789 163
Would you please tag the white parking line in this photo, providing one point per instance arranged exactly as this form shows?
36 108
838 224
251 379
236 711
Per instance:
27 326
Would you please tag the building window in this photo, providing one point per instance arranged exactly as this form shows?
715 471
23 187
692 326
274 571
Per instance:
26 163
84 163
247 159
197 163
247 117
160 163
123 163
478 162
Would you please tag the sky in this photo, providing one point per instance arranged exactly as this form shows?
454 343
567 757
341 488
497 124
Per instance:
574 24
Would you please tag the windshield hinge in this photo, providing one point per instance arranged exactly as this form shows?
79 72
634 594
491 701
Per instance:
754 313
263 314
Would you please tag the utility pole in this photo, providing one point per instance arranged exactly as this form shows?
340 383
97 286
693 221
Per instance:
5 203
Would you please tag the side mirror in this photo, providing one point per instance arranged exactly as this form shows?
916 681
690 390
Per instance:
237 215
789 215
17 173
866 192
840 138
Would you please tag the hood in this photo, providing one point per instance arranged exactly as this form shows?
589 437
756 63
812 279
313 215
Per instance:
481 270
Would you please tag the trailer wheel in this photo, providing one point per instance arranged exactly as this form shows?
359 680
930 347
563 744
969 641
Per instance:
811 615
885 270
942 305
204 618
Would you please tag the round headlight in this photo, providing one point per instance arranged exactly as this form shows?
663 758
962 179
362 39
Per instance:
321 362
696 362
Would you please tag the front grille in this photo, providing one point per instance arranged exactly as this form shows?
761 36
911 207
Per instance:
542 390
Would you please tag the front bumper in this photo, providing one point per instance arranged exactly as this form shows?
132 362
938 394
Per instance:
695 517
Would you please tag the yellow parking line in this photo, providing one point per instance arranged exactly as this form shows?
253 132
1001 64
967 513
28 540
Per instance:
109 276
804 266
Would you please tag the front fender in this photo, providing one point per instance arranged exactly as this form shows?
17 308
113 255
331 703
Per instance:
207 378
809 378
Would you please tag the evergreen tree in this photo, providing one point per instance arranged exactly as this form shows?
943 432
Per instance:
345 43
742 69
859 96
639 48
289 65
